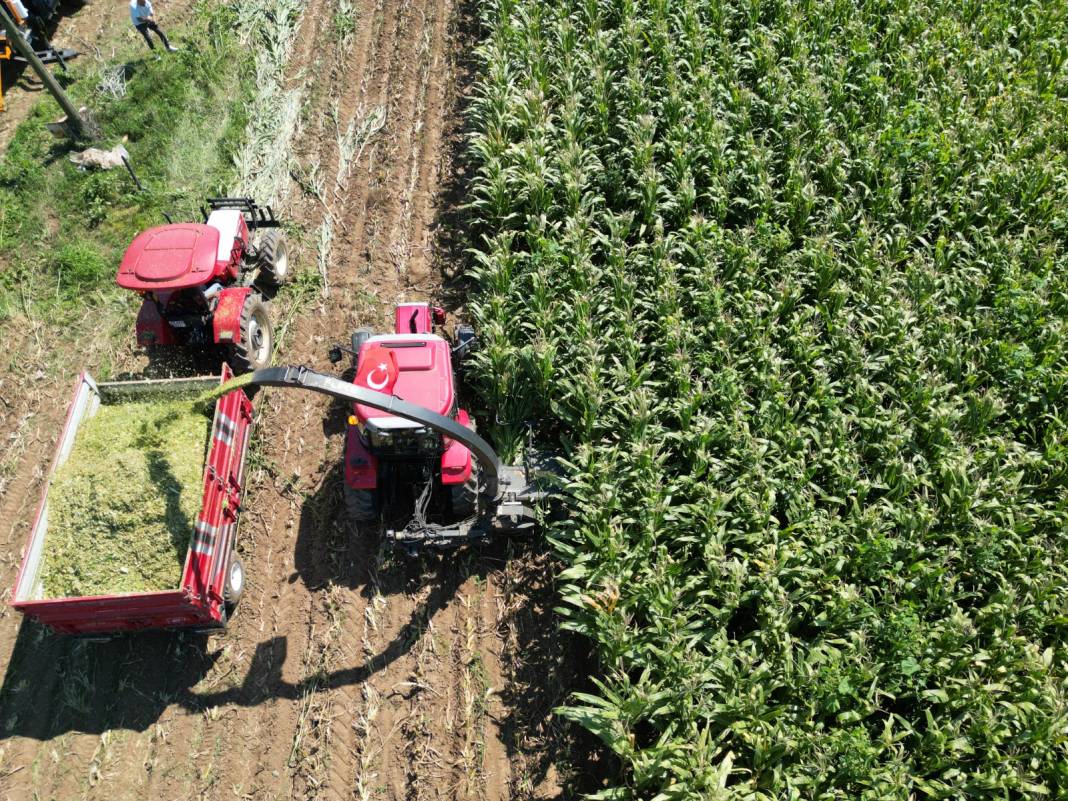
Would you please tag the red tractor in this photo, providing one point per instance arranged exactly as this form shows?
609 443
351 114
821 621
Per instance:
383 450
203 283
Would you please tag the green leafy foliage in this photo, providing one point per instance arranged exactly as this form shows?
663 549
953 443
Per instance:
786 282
78 267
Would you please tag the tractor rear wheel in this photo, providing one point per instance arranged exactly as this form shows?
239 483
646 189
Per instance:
274 258
360 504
464 497
253 351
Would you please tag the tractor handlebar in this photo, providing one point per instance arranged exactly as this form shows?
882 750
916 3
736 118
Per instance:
256 216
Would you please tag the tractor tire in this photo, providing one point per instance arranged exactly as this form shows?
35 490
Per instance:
274 259
235 583
361 505
464 497
256 346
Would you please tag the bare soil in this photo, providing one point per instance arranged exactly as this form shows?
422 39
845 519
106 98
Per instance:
347 673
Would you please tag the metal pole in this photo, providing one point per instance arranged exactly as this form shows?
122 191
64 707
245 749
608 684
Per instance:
14 37
133 175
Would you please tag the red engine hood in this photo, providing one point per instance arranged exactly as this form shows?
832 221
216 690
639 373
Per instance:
170 257
423 373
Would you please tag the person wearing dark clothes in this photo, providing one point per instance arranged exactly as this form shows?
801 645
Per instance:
142 19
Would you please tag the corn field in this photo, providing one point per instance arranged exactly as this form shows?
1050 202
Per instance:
786 283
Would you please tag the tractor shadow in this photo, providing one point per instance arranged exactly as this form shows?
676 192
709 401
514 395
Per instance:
544 665
56 684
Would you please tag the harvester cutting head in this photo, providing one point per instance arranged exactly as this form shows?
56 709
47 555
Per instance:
204 283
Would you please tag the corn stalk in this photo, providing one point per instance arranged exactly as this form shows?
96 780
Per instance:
270 28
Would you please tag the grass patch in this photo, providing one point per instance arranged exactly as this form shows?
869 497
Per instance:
345 19
123 506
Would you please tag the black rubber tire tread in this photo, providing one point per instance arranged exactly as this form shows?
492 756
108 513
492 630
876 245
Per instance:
240 357
464 497
273 243
360 505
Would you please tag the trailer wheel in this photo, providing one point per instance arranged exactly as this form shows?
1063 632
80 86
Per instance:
254 350
235 582
274 258
361 505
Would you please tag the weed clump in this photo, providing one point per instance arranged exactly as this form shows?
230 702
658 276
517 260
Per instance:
123 506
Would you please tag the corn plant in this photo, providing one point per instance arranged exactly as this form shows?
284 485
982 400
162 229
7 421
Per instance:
786 284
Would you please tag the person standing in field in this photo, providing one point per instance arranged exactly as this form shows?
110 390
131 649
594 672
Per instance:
142 19
22 18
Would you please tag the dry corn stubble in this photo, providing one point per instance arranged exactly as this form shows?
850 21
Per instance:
123 506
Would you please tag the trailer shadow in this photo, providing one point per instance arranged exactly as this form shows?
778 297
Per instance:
55 684
544 664
264 681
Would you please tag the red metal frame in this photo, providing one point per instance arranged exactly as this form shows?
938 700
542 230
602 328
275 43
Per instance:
226 319
456 460
361 465
151 328
182 255
171 257
412 318
198 600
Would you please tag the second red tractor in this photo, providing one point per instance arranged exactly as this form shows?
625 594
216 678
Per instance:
383 450
203 283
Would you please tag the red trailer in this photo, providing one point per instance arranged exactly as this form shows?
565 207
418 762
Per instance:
212 576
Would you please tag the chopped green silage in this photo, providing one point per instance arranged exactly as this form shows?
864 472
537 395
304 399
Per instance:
123 507
206 400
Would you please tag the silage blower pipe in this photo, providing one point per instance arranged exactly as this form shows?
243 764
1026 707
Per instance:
302 377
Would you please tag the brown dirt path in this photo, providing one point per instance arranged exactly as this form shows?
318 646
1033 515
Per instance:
347 673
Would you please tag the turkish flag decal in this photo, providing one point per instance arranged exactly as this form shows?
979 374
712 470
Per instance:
378 369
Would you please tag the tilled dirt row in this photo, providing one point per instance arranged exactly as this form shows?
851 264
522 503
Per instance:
347 672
